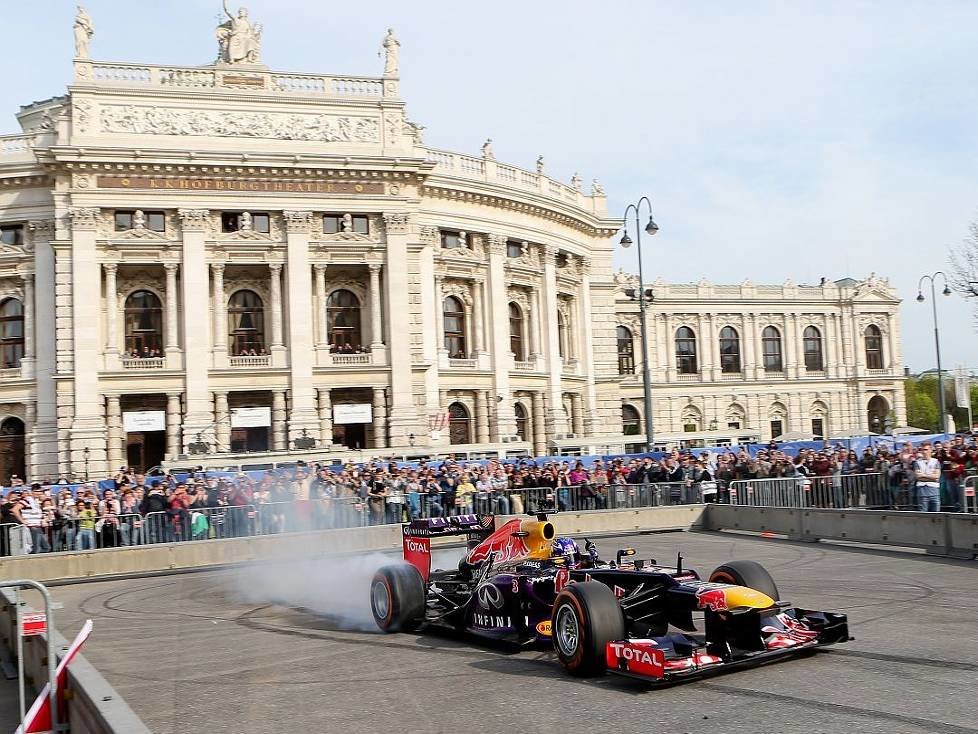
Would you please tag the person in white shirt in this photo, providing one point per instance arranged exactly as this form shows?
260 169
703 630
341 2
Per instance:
927 470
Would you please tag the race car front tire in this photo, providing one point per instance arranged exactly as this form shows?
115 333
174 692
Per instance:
586 617
397 598
746 573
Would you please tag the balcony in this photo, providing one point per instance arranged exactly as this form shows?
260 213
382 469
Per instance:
143 363
10 373
342 360
263 360
773 374
694 377
731 375
524 365
463 364
878 373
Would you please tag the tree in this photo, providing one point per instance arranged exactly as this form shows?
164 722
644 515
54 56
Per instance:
922 409
964 265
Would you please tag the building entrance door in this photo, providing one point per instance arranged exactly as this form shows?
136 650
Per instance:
144 449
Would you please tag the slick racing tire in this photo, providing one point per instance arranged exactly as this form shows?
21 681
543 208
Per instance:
585 618
746 573
397 598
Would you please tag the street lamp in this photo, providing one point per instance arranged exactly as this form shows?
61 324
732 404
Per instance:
650 228
937 337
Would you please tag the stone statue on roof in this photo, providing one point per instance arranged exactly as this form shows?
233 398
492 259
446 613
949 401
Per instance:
238 39
392 52
84 30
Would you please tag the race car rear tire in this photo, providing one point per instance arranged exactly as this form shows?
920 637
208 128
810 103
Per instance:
746 573
585 618
397 598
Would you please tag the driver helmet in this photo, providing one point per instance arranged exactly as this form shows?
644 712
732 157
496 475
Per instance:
567 548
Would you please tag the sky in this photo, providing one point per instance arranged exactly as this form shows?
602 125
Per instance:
776 140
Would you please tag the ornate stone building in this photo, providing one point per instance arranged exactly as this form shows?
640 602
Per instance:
228 258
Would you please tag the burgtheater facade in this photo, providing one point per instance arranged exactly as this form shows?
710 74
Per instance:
227 258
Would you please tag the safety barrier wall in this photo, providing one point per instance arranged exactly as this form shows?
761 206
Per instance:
939 533
162 557
94 706
969 495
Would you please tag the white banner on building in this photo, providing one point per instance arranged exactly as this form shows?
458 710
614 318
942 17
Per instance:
137 421
353 413
251 417
962 390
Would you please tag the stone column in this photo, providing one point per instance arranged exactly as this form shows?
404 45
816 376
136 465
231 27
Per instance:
747 340
477 318
539 425
322 320
376 310
116 434
482 416
713 350
173 425
220 326
325 417
88 422
304 415
440 316
222 421
556 418
670 335
831 342
194 302
403 412
380 418
111 312
277 346
279 438
534 318
27 362
171 344
44 444
577 404
429 336
500 357
788 348
799 345
759 325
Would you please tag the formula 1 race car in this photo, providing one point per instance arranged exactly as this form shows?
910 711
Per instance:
522 584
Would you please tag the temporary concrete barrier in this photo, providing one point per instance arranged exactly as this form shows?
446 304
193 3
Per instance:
93 706
939 533
231 551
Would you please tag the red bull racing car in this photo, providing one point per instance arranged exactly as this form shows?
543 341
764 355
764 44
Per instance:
520 583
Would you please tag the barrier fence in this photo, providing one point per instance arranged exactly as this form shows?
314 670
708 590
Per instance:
846 491
969 500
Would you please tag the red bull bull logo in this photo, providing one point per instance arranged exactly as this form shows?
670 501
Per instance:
713 599
503 544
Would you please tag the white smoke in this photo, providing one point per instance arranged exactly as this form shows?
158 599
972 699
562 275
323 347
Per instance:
337 588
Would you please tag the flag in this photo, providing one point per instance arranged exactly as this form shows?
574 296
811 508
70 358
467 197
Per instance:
38 720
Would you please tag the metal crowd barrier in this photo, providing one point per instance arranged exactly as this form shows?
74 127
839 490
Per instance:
969 489
838 491
15 539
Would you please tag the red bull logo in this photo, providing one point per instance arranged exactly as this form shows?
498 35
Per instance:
502 543
713 599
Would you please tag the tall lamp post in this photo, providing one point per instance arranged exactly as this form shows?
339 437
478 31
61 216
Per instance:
937 337
650 228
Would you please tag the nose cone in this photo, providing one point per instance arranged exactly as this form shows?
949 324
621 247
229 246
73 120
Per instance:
739 597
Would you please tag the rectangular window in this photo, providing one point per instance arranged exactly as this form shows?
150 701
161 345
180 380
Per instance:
514 248
777 428
818 428
336 223
234 222
153 221
12 234
450 240
735 425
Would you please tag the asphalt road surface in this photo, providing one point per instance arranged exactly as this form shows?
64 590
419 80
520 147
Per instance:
211 652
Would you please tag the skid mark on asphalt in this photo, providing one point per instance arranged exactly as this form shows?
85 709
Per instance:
902 659
937 727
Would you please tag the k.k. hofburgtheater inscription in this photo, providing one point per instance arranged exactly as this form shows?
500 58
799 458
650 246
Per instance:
231 184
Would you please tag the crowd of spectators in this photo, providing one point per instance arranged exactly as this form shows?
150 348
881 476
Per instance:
137 509
144 353
347 348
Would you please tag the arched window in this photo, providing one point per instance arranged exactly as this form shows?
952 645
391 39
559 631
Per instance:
459 428
729 350
144 324
777 418
11 449
629 420
522 422
454 314
11 333
626 352
246 323
516 332
877 412
771 349
686 351
343 321
562 335
812 339
874 348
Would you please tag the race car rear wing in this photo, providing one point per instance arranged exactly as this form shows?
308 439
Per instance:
417 535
